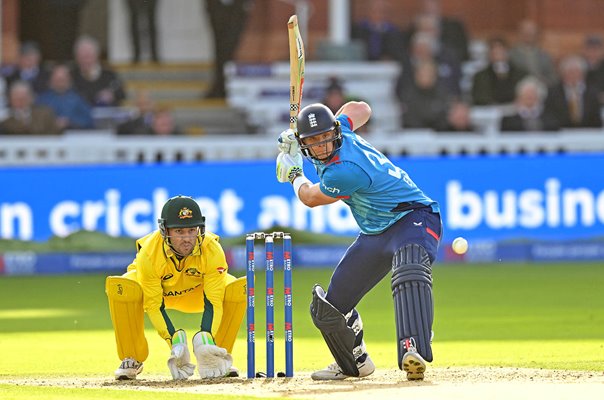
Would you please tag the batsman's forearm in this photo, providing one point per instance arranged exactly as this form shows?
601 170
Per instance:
310 194
300 183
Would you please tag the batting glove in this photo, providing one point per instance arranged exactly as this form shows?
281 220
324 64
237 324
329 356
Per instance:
288 142
288 167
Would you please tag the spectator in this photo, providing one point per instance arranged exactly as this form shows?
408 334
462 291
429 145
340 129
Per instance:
450 31
140 123
458 118
98 85
227 18
142 15
163 123
529 56
24 117
593 52
29 69
382 39
572 102
529 113
334 96
496 83
424 48
71 110
425 104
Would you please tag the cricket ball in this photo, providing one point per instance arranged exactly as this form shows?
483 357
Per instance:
460 245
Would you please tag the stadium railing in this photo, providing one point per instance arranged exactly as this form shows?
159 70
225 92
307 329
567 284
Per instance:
104 147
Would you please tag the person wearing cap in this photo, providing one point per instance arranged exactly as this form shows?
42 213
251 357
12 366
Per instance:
182 267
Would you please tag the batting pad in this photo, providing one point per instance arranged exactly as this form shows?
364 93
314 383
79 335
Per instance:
127 315
412 295
233 310
340 338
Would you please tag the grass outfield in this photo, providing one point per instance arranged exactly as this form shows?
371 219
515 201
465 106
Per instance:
486 315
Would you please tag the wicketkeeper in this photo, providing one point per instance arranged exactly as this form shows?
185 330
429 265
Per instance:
181 267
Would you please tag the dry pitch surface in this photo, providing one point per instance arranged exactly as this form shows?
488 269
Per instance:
440 383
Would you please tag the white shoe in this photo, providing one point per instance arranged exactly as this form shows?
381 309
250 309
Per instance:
128 370
334 373
413 363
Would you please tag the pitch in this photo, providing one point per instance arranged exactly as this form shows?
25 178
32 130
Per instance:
531 331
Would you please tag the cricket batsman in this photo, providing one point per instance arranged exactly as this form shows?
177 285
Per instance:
400 233
180 267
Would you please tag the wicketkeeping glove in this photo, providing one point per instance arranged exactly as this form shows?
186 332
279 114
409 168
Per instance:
288 167
288 143
179 362
212 361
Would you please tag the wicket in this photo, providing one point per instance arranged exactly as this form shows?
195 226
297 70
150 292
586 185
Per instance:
270 305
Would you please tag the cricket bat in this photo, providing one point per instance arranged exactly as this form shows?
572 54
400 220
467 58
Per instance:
296 70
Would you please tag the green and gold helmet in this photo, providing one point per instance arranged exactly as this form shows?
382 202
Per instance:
181 212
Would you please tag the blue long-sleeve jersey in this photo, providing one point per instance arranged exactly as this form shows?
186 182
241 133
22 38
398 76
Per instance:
378 192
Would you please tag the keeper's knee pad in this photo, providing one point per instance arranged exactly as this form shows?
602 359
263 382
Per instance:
412 295
233 311
125 298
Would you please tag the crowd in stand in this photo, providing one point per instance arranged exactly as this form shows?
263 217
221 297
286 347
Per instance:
537 93
47 100
521 75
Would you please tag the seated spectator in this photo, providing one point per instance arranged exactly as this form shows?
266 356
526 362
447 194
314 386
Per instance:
163 123
100 86
24 117
425 104
72 111
382 39
424 48
529 114
572 102
29 68
458 118
529 56
593 53
334 96
451 33
140 123
496 83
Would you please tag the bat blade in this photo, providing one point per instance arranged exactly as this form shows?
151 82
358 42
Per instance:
296 66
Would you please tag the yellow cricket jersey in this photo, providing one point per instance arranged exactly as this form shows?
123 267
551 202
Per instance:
193 284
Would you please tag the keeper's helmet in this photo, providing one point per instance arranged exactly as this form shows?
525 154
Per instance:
314 120
181 212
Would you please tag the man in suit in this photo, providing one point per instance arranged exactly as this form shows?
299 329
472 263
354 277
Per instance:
529 114
495 84
29 68
572 101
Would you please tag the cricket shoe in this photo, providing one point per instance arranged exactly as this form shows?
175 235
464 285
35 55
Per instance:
128 370
333 372
413 363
